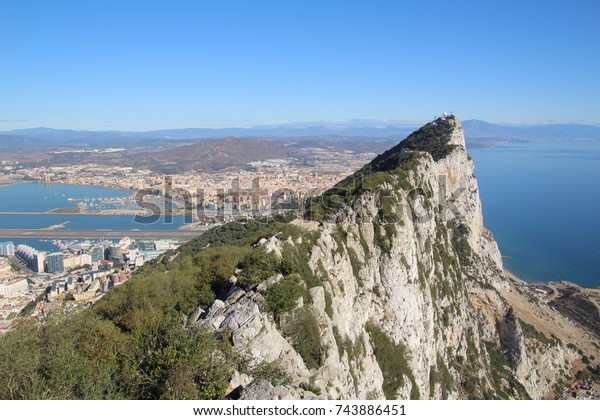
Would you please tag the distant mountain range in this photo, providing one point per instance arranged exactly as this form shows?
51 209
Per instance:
477 128
474 129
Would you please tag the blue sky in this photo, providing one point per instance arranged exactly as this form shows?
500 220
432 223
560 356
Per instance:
141 65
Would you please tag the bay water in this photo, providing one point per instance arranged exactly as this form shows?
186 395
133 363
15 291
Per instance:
541 200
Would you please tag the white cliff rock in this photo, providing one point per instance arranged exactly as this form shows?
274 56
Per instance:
428 282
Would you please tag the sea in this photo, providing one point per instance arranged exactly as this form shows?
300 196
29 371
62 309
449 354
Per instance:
541 201
41 197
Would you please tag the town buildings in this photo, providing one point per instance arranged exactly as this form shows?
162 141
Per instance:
7 248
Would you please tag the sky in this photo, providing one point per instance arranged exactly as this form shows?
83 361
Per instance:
144 65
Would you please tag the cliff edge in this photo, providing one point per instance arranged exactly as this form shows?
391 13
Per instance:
402 289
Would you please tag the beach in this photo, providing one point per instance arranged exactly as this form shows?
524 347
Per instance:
6 180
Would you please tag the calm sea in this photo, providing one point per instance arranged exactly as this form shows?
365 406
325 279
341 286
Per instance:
39 197
541 201
33 196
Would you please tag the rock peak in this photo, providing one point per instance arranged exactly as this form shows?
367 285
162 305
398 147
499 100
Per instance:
458 136
437 138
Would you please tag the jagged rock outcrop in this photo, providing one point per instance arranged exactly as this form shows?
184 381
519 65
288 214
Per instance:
406 304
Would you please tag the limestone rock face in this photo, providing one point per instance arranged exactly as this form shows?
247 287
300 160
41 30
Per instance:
253 333
409 272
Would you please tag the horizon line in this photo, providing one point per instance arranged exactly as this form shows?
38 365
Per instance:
357 123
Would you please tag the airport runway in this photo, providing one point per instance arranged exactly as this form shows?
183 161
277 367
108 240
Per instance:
97 234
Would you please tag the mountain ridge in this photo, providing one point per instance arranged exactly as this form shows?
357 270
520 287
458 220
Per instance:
473 128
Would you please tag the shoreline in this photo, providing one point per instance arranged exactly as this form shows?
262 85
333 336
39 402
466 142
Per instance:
127 190
518 279
6 182
515 277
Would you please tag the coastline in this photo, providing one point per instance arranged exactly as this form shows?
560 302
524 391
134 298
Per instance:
515 277
5 182
76 184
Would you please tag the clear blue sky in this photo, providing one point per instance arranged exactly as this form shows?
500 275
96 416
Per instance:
141 65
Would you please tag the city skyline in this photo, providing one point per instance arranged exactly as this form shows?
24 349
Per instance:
144 66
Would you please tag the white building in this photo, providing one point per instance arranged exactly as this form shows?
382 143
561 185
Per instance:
162 245
72 261
13 288
34 258
7 248
86 259
139 260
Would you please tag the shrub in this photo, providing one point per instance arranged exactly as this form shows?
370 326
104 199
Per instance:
531 332
328 304
391 359
281 297
304 334
257 267
271 372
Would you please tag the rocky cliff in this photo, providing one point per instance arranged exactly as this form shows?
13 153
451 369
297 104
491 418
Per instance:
396 288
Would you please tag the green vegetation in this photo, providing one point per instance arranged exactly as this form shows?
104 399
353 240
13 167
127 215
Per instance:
328 304
531 332
500 376
433 380
270 372
441 376
356 265
501 373
135 343
258 266
590 372
394 167
87 357
310 388
392 361
354 351
340 239
460 243
432 138
338 341
295 262
282 297
243 234
303 332
382 241
363 244
472 383
422 271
